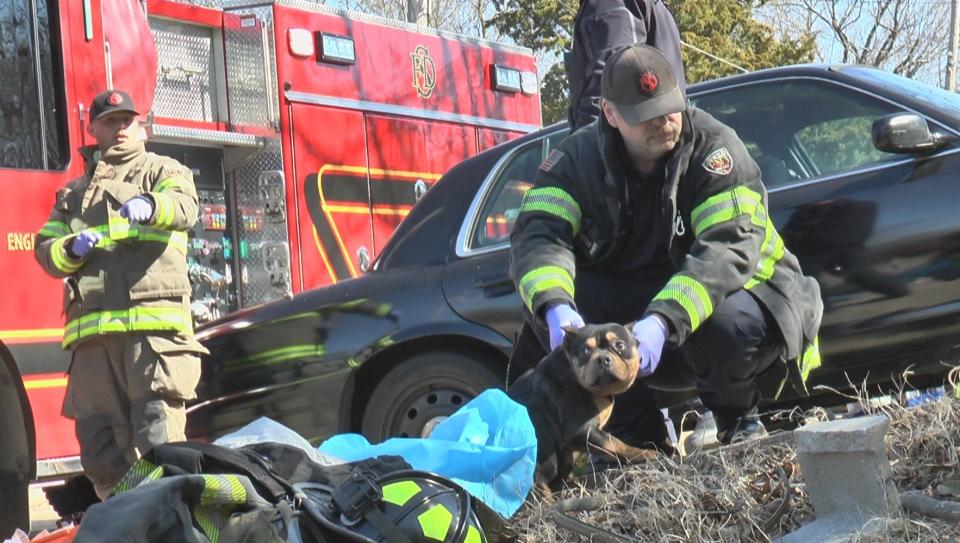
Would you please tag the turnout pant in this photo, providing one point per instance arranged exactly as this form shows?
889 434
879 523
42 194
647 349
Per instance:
721 359
127 393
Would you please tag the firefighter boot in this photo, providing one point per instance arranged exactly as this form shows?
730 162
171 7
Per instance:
732 430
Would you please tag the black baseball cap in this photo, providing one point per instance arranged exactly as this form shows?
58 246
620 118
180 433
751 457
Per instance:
639 82
111 101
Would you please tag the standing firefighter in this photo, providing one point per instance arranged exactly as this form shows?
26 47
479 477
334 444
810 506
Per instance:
118 238
655 215
600 28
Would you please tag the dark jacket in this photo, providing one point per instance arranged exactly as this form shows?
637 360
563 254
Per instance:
721 238
599 29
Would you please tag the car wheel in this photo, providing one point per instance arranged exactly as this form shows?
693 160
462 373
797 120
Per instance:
424 389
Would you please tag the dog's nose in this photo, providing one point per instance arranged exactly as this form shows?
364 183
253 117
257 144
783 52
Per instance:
606 361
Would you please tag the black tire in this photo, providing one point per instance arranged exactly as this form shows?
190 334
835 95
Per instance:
422 388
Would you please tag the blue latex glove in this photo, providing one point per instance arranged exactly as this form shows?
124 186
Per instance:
650 332
557 317
85 242
137 209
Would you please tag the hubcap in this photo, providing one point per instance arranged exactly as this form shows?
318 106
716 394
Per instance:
426 410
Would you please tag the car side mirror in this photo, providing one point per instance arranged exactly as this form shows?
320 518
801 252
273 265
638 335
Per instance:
905 133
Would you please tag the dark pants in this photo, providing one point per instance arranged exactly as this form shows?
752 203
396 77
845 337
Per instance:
722 359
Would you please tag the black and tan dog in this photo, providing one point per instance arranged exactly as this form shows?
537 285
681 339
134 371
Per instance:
569 396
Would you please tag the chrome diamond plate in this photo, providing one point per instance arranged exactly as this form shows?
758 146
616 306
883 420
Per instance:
252 70
186 88
261 238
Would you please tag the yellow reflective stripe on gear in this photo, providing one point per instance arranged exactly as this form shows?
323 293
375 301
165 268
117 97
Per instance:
58 254
692 297
725 206
137 319
553 201
165 211
540 279
55 229
172 183
435 522
474 535
810 359
121 229
138 472
400 492
770 253
209 522
222 490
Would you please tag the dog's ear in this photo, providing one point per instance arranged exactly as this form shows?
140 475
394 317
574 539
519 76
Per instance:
569 332
629 329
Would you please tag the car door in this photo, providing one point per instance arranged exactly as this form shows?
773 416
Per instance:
477 282
879 231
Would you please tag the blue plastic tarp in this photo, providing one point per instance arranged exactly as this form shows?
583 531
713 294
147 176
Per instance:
488 446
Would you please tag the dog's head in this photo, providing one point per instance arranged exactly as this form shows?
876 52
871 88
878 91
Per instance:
603 357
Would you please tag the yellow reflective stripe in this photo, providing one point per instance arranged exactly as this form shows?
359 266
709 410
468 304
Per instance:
400 492
540 279
692 297
55 229
553 201
810 359
137 319
164 213
771 253
172 183
222 490
120 229
725 206
58 254
209 520
138 472
435 522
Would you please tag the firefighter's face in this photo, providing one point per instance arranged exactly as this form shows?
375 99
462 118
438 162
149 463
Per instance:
650 140
116 128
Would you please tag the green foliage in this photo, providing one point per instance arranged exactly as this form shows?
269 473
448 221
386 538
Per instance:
726 29
729 30
840 144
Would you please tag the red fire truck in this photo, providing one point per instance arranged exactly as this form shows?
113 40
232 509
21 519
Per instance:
310 131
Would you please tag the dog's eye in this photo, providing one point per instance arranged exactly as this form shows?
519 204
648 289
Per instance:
620 346
586 350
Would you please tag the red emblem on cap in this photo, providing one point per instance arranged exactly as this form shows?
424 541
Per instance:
649 82
114 99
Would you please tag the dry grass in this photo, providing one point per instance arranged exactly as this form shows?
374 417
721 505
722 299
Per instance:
730 495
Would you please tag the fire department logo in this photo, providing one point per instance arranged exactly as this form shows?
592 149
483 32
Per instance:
719 162
424 71
114 99
649 82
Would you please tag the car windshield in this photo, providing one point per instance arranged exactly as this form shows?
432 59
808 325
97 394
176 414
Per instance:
948 101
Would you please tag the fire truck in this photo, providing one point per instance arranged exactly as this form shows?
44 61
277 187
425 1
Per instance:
310 131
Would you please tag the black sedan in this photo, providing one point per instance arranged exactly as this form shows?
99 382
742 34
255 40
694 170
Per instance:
863 171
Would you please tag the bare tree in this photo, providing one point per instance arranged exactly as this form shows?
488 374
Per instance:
907 37
463 17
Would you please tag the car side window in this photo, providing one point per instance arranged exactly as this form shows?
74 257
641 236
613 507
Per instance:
502 205
797 129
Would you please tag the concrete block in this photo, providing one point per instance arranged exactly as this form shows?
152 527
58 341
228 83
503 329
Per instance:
848 478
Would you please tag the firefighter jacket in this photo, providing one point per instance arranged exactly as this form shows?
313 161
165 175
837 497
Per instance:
720 240
135 279
600 28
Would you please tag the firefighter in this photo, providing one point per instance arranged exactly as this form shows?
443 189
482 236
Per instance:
118 237
655 215
600 28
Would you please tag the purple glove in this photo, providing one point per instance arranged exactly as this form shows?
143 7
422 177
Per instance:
85 242
650 332
137 209
558 317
